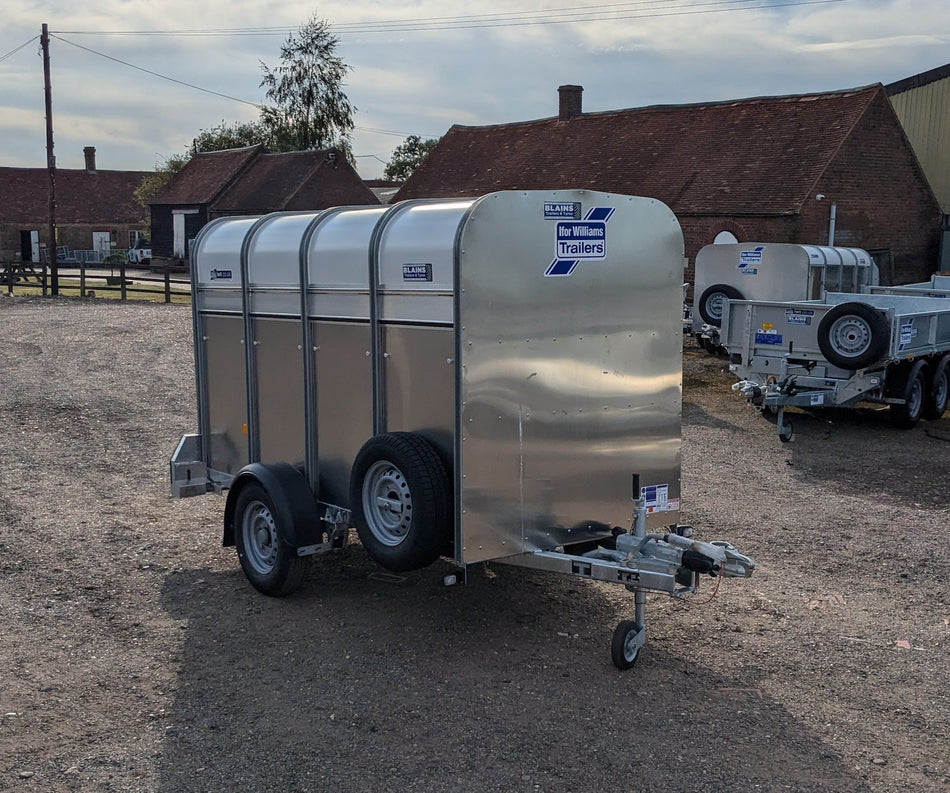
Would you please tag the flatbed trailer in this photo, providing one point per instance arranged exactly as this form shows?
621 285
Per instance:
492 379
843 350
771 271
937 286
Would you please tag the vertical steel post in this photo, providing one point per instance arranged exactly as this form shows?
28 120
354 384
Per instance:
50 164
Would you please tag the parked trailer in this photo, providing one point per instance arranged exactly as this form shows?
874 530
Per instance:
937 286
843 350
482 379
771 271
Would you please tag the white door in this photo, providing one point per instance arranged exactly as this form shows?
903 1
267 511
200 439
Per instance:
178 231
178 235
102 242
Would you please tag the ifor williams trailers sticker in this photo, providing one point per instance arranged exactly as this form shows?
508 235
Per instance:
579 240
749 261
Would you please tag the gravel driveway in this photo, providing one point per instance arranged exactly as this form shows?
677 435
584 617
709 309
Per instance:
135 657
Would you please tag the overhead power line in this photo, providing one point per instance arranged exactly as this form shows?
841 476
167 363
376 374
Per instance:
198 87
14 52
568 15
155 74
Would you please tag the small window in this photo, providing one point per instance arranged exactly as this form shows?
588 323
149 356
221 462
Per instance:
725 238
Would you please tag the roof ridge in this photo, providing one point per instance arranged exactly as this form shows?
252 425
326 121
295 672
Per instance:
870 88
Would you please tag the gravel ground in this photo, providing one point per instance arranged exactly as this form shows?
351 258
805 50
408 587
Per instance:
135 657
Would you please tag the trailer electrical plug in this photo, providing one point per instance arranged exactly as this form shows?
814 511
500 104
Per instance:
697 562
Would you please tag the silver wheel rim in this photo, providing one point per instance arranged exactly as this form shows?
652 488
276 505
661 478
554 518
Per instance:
940 392
714 304
850 336
630 646
387 503
915 399
259 531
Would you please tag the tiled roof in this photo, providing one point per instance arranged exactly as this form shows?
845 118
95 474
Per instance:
294 180
758 156
205 176
81 197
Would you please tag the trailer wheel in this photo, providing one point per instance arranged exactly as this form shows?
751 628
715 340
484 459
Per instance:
712 299
399 492
625 646
853 335
268 561
910 384
936 402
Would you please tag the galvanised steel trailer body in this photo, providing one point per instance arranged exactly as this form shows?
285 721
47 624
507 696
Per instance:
480 379
937 286
840 351
771 271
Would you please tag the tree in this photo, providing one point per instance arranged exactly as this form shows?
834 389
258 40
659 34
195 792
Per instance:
151 184
408 156
231 136
310 109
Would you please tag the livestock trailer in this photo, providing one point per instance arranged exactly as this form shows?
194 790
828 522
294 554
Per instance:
771 271
481 379
840 351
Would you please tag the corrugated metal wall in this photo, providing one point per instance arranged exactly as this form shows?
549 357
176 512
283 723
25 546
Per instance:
924 112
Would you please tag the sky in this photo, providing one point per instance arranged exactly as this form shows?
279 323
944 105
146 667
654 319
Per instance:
139 79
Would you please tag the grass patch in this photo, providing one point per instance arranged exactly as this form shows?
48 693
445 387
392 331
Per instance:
70 287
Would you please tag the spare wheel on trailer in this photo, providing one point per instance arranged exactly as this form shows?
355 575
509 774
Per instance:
712 300
853 335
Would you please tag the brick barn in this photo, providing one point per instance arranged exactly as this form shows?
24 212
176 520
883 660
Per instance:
249 181
95 210
776 169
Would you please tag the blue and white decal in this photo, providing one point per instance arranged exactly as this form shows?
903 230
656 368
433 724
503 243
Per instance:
417 272
576 241
656 498
799 316
221 275
768 337
908 334
562 210
748 260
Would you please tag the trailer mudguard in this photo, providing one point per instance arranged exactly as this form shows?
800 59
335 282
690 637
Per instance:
297 509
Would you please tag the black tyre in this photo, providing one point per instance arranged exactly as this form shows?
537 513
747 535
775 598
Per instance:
786 432
400 498
268 561
711 303
910 384
853 335
625 646
935 403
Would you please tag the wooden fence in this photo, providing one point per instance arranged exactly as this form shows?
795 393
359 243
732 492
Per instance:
85 281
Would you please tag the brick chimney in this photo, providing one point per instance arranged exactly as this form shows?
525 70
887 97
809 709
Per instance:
89 152
569 101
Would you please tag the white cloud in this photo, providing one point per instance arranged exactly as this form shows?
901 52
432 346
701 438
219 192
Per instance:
423 82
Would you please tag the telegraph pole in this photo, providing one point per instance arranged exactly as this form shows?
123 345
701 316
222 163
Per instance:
50 165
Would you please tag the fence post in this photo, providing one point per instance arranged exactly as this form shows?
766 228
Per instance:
122 276
82 279
168 284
